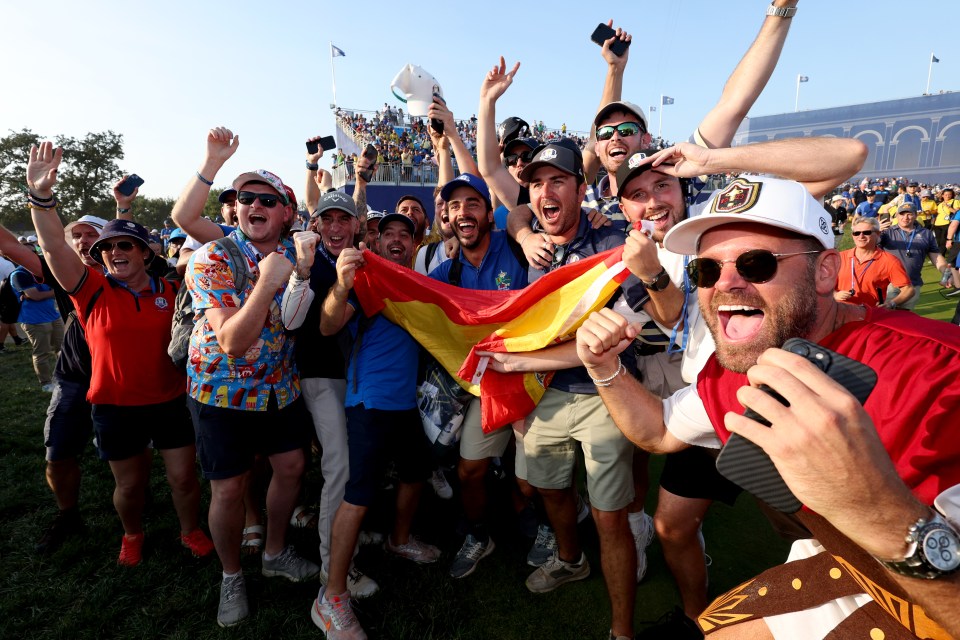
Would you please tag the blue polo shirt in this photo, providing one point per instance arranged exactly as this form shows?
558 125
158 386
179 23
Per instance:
382 369
32 311
499 269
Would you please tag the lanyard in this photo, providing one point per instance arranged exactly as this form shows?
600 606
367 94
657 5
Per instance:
913 234
673 347
853 277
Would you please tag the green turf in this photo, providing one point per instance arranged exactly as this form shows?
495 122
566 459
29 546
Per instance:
80 592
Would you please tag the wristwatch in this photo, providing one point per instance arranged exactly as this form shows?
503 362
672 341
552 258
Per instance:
660 281
934 550
781 12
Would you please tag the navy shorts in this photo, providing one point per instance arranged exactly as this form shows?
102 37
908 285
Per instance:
374 437
228 440
69 424
692 473
125 432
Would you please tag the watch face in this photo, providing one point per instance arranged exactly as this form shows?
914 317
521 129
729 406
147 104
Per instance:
941 549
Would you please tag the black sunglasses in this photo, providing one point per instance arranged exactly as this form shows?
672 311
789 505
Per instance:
754 266
625 129
868 232
123 245
511 159
266 199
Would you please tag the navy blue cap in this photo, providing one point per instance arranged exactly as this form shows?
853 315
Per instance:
396 217
227 193
563 156
118 227
467 180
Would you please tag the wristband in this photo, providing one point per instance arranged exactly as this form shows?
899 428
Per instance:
209 183
606 382
312 166
32 196
119 210
781 12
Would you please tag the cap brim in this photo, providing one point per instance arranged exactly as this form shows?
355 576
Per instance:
531 168
684 238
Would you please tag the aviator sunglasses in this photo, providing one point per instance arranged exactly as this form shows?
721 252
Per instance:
123 245
868 232
754 266
268 200
625 129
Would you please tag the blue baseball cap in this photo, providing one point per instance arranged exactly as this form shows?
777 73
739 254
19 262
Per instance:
227 196
467 180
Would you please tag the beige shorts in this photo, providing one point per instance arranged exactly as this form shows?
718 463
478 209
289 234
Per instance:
477 445
559 422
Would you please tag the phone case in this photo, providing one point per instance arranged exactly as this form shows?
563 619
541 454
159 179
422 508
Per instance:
128 186
603 33
328 143
747 465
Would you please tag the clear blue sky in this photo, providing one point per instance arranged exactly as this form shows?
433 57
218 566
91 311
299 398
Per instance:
163 73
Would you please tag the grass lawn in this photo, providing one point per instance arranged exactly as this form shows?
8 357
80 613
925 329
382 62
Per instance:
80 592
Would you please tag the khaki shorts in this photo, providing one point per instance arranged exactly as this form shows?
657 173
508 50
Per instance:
553 429
477 445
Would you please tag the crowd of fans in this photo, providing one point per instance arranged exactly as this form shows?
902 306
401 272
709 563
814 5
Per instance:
238 343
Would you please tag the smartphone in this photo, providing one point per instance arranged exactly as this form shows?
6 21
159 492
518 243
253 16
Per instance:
437 124
370 153
603 33
883 217
748 466
328 143
128 186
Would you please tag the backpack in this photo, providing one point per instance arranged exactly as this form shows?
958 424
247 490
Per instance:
9 301
183 317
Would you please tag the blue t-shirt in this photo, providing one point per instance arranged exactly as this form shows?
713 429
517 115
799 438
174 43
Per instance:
498 271
868 210
382 368
32 311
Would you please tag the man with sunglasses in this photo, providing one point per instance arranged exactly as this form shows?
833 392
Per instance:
242 379
867 270
650 193
911 243
765 270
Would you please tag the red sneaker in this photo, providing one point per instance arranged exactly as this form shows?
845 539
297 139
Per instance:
131 550
197 541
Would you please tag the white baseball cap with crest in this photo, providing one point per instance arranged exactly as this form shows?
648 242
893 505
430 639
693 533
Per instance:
766 200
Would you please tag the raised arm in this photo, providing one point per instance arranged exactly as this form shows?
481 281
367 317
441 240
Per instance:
612 92
747 81
491 168
336 313
312 188
24 256
188 210
124 203
63 261
820 164
465 161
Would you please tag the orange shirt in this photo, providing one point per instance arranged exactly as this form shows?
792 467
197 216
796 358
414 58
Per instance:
864 278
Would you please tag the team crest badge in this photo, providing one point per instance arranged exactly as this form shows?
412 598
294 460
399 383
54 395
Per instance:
548 154
739 196
161 303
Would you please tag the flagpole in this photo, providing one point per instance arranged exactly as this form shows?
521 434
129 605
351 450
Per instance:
796 103
660 126
929 74
333 74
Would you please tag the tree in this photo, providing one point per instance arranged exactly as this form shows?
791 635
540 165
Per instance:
14 153
88 172
151 212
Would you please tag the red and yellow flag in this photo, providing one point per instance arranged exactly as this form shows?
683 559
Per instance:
453 324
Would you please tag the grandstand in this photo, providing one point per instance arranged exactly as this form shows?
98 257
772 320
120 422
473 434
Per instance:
406 164
917 137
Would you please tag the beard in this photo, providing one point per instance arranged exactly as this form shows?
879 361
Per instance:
794 316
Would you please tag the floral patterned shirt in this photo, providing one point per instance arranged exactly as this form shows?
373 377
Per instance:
216 378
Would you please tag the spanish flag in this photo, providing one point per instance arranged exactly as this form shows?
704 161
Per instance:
453 324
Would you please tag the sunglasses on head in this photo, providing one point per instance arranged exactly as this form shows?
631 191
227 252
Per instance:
268 200
756 266
511 159
123 245
868 232
625 129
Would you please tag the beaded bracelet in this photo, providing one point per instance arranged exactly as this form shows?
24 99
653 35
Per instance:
209 183
606 382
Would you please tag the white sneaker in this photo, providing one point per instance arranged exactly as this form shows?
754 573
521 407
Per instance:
440 485
334 616
359 584
642 537
414 549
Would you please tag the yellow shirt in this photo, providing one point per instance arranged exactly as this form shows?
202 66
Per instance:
928 209
945 211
